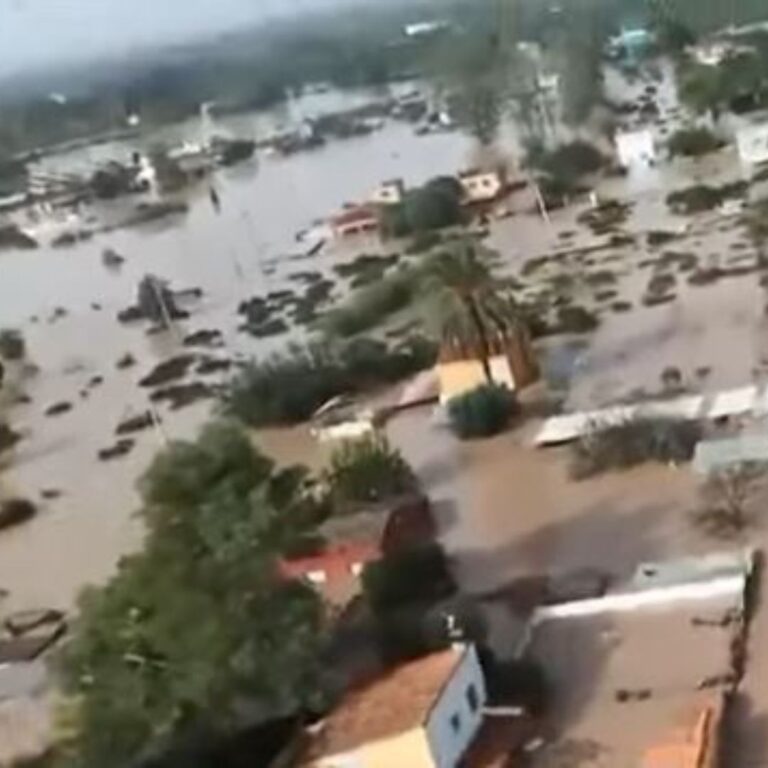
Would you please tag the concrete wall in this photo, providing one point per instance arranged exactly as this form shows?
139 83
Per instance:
447 743
630 601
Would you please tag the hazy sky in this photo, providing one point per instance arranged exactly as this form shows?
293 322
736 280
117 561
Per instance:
35 32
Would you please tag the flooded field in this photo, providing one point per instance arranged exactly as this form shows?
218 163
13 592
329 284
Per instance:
65 301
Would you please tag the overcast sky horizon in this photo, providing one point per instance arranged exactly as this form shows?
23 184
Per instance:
37 33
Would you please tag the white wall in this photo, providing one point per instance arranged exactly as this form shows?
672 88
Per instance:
630 601
446 744
752 142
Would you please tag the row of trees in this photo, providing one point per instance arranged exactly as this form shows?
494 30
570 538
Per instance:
196 633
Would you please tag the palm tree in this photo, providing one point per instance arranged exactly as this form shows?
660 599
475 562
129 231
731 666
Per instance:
470 305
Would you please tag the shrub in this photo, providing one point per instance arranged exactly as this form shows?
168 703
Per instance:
606 217
692 142
423 241
576 319
435 205
634 442
657 237
16 511
369 306
483 412
661 283
700 197
368 470
12 345
287 388
569 162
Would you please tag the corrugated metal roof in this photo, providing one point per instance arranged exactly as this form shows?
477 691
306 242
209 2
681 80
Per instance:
733 402
716 455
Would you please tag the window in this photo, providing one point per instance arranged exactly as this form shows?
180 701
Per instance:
456 723
472 698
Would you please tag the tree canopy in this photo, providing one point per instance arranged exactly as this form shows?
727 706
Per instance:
435 205
196 631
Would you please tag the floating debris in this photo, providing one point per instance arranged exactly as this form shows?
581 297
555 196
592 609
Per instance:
169 370
136 423
58 408
16 511
116 451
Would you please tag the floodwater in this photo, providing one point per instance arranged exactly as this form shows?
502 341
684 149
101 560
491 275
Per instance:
245 250
78 537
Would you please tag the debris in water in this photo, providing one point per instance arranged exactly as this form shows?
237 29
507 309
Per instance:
119 449
58 408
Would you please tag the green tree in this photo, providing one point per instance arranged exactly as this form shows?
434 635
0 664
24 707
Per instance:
368 470
198 628
470 305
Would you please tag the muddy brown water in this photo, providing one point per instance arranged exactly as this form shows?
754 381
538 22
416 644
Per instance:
78 537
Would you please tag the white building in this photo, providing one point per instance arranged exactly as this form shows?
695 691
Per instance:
635 148
389 192
752 142
423 714
481 186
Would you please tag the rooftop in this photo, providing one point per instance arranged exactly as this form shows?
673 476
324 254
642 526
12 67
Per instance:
616 683
394 703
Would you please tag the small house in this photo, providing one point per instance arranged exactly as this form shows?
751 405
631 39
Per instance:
389 192
422 714
752 140
346 543
355 220
481 186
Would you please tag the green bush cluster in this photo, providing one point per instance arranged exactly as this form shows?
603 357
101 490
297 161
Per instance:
368 470
434 206
12 345
692 142
634 442
483 412
287 388
370 305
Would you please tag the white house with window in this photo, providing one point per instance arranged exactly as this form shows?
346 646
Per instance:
423 714
481 186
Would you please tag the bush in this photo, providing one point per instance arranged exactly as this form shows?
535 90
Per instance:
692 142
369 306
416 576
569 162
12 345
483 412
288 388
700 197
423 241
16 511
634 442
368 470
434 206
576 319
